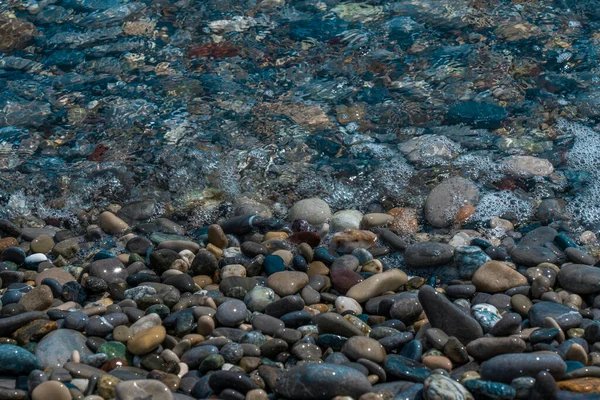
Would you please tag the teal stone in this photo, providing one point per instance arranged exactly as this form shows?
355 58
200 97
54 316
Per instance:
273 264
412 350
104 254
255 338
113 349
133 257
543 335
468 259
75 271
328 340
15 361
573 365
363 255
185 323
211 363
487 390
403 368
30 347
563 241
363 317
321 254
522 386
258 298
107 243
487 315
11 265
232 352
160 309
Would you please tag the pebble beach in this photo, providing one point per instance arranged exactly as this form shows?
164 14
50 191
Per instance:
299 199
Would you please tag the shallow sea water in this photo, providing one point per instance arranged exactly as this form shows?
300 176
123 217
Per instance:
195 105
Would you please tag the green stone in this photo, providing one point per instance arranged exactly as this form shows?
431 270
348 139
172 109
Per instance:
211 363
113 349
135 258
158 237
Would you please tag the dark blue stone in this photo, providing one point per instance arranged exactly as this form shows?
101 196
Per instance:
73 291
543 335
335 342
566 317
196 355
321 254
15 360
12 296
394 342
563 241
412 350
201 389
221 380
477 115
296 319
136 279
490 390
13 254
484 244
403 368
76 320
54 286
103 254
273 264
299 263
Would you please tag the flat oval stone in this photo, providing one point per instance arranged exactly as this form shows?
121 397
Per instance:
579 278
287 282
506 367
221 380
336 324
390 280
532 256
497 276
147 340
358 347
231 313
144 388
403 368
566 317
321 382
51 390
490 390
428 254
487 347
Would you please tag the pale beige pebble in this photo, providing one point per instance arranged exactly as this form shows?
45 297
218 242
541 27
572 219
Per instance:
146 322
233 270
576 352
187 255
527 166
434 362
257 394
93 309
216 251
574 301
124 258
588 237
503 224
205 325
390 280
81 383
51 390
75 356
372 395
285 255
194 338
275 236
372 220
343 303
93 397
497 276
112 224
143 342
122 241
168 355
285 283
169 273
469 375
460 239
346 220
65 306
245 327
183 369
372 266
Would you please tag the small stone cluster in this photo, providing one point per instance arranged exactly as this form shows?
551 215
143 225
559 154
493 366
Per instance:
310 308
